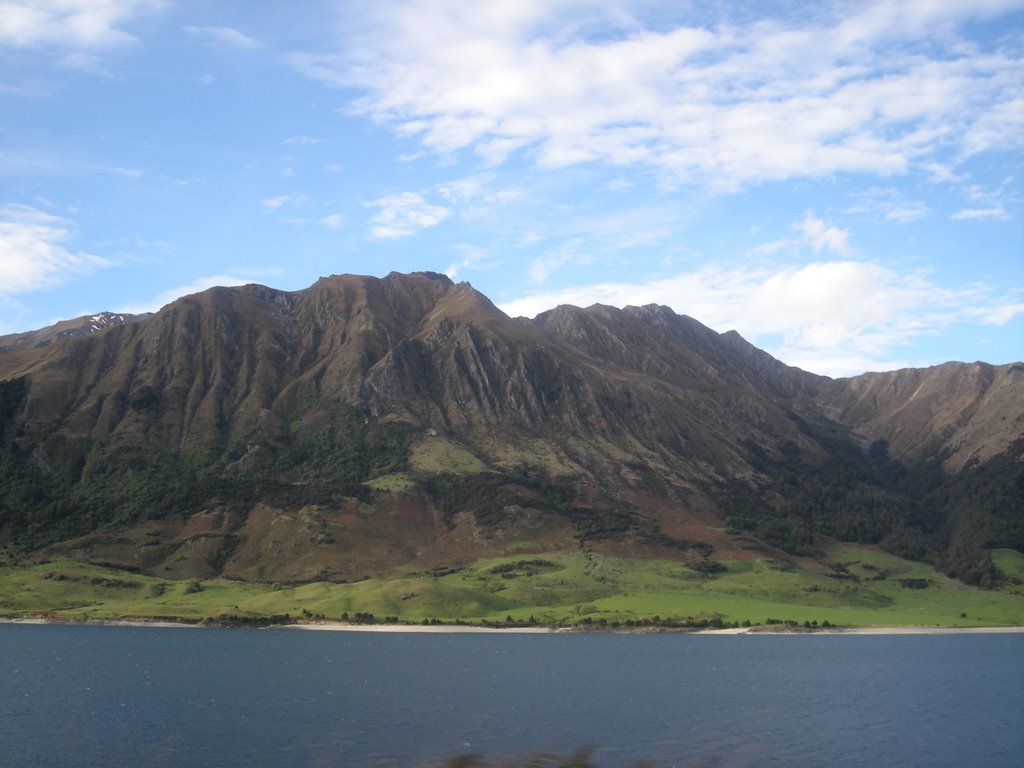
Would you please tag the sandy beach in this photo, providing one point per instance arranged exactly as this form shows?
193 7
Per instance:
866 631
465 628
339 626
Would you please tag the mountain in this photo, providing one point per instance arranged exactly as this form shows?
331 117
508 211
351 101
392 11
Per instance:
363 424
66 329
958 415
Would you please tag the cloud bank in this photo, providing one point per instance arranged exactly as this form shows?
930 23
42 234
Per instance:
876 87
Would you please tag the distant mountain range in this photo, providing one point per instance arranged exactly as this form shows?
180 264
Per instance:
363 424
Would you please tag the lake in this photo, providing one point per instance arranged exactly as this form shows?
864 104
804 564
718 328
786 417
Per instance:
149 696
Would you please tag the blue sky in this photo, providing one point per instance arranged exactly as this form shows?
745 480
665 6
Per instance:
840 182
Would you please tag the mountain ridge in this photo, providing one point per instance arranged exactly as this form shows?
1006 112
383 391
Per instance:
412 414
66 329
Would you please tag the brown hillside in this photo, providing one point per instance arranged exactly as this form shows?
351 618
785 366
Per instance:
365 423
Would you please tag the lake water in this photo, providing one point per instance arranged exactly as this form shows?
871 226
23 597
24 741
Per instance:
123 696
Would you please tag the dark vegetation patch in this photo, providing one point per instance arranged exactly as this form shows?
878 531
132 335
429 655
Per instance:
523 568
95 581
12 396
915 583
707 567
322 462
489 495
917 512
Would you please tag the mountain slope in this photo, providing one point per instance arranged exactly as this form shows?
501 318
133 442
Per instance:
961 415
364 423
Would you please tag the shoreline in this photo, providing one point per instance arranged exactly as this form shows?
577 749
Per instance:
72 622
339 626
441 629
762 631
867 631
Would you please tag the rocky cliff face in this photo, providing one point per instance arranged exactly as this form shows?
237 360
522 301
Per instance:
363 423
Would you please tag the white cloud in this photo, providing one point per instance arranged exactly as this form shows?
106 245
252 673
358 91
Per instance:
471 258
832 317
403 214
172 294
891 204
542 267
476 196
223 36
903 214
278 201
821 236
774 246
477 188
273 203
1000 314
875 87
334 221
128 173
79 24
967 214
89 63
942 174
33 251
464 190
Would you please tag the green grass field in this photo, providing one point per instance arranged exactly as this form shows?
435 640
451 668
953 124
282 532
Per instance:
863 587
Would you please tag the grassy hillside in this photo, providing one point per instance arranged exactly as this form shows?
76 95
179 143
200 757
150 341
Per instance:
855 586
